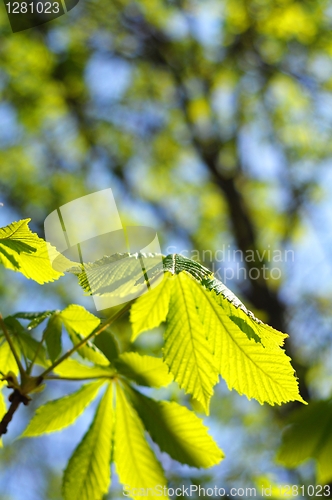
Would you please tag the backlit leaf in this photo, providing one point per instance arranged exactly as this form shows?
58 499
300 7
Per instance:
135 462
187 351
151 309
178 431
23 251
87 476
52 336
144 370
60 413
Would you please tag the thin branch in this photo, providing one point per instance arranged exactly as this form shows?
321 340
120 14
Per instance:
11 345
77 379
16 398
29 368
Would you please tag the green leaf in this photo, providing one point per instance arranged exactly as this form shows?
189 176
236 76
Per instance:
35 318
187 351
260 370
79 323
3 408
3 411
135 462
119 275
210 332
87 476
60 413
29 346
52 336
151 308
70 368
107 344
144 370
89 351
79 319
23 251
176 264
7 360
309 436
177 431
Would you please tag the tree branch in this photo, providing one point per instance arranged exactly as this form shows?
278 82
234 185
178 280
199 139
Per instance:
16 398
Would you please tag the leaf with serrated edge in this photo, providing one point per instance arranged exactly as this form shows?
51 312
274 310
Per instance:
88 474
60 413
120 274
177 431
187 351
80 323
151 309
144 370
23 251
89 350
260 370
79 319
137 467
276 382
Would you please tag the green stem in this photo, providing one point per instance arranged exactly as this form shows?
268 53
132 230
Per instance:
11 345
36 354
77 379
108 322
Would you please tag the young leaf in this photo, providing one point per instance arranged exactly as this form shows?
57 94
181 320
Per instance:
309 436
3 407
151 308
79 319
23 251
29 346
135 462
60 413
52 336
220 336
260 370
7 360
35 318
144 370
176 264
80 323
120 274
70 368
3 410
88 351
107 344
177 431
87 476
187 351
